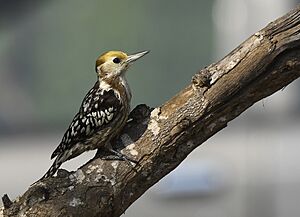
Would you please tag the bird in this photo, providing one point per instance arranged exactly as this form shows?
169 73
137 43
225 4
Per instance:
103 111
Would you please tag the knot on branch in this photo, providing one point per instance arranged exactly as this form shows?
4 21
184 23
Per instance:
201 79
140 113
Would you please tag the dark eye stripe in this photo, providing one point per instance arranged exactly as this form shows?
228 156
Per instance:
116 60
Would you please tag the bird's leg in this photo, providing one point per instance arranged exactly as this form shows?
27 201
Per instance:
104 154
108 153
111 154
121 156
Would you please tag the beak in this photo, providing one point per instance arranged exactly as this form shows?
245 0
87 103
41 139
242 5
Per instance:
134 57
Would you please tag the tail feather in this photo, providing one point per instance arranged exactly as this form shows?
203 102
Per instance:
52 170
57 151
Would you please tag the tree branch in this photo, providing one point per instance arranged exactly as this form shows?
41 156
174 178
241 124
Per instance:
162 138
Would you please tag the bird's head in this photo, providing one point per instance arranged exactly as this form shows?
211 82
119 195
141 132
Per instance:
113 64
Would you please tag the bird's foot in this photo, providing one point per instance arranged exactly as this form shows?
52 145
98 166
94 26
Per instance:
112 154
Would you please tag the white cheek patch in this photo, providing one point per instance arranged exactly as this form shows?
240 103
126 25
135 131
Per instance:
110 69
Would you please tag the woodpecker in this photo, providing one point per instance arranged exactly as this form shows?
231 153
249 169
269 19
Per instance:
103 112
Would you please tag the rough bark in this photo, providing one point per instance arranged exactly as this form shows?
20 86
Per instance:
161 139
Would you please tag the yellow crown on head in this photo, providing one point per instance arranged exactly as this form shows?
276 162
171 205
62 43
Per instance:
107 55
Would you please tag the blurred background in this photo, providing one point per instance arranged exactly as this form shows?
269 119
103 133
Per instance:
47 56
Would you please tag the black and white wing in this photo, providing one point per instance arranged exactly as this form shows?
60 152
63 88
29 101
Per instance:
97 110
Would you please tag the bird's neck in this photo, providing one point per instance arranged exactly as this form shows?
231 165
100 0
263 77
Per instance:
125 85
119 84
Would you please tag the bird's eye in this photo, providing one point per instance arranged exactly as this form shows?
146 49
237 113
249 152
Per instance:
116 60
